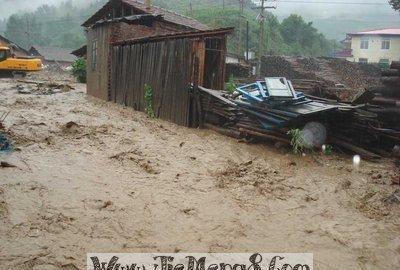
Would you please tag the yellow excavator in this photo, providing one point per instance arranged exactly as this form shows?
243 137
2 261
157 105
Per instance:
13 65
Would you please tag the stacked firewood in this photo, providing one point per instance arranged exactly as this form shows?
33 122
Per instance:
384 100
323 90
374 125
224 116
237 71
388 99
322 77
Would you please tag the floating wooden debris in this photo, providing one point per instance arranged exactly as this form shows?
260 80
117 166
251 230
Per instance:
261 111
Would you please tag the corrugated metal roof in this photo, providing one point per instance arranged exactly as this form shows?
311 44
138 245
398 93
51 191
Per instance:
385 31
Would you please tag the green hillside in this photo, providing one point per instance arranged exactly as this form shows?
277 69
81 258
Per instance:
60 26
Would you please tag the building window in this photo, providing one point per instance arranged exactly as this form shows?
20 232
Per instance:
385 44
384 61
94 55
364 44
363 60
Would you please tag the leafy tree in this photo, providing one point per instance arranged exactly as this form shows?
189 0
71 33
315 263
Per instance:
60 26
395 4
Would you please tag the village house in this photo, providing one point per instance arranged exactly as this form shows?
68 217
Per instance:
131 44
375 46
53 55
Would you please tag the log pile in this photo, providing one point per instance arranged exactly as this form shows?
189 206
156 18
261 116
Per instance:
386 103
237 71
384 100
321 89
224 116
376 126
323 77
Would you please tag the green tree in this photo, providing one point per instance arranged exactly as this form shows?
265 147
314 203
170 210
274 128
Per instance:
14 31
395 4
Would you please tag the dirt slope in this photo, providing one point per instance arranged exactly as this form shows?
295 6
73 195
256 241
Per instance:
95 177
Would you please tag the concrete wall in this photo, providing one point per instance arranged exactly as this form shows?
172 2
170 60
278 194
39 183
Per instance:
375 53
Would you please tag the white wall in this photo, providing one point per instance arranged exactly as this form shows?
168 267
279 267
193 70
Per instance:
375 53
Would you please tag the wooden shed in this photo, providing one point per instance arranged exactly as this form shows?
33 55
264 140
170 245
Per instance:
131 44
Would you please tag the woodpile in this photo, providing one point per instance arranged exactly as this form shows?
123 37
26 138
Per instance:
384 100
376 125
321 89
352 129
225 117
330 78
237 71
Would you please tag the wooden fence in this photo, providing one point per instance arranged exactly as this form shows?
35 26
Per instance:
167 66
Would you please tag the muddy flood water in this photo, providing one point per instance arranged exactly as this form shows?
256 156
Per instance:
92 176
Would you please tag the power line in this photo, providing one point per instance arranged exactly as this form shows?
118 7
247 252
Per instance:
261 17
335 2
241 8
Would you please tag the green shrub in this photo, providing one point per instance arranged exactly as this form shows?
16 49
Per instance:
230 86
79 70
148 100
295 141
328 150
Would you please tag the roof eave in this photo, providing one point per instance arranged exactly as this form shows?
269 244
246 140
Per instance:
185 34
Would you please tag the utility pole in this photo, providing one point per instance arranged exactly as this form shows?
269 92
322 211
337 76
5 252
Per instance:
28 32
262 31
223 4
190 8
241 8
261 18
247 41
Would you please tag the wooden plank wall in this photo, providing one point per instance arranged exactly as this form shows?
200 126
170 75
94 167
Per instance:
214 76
97 80
167 66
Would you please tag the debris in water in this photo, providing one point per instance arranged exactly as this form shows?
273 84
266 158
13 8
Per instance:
42 88
5 145
394 198
4 164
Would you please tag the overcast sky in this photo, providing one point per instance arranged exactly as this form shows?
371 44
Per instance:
307 8
8 7
330 8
